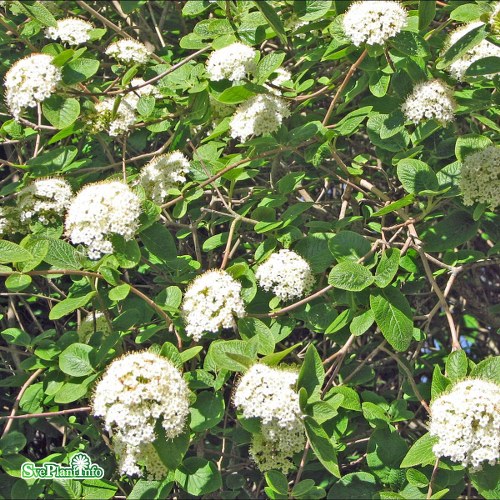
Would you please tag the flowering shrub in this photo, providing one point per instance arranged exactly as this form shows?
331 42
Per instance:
249 249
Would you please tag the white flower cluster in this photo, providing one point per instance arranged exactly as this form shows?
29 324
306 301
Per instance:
269 394
71 30
233 62
259 115
480 177
286 274
466 421
210 303
273 447
118 124
93 322
432 99
99 211
29 81
4 221
44 200
163 173
127 51
483 49
136 391
374 22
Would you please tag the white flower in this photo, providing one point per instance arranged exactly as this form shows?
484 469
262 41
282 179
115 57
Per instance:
4 221
466 421
210 303
274 447
259 115
286 274
44 200
127 50
432 99
137 391
483 49
163 173
123 119
480 177
283 76
99 211
93 322
233 62
374 22
269 394
71 30
29 81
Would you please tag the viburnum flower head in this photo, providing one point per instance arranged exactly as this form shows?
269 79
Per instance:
483 49
211 302
163 173
137 391
70 30
374 22
123 119
99 211
261 114
44 200
286 274
480 177
269 394
432 99
466 421
233 62
29 81
127 51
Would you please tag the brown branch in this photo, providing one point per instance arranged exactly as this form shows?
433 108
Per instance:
48 414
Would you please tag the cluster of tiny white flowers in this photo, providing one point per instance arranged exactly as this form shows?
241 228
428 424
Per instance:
93 322
286 274
44 200
466 422
259 115
273 448
210 303
4 221
99 211
269 394
233 62
71 30
127 50
373 22
29 81
135 392
480 177
163 173
483 49
283 76
432 99
124 118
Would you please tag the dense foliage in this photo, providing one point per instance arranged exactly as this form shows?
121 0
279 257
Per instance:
249 248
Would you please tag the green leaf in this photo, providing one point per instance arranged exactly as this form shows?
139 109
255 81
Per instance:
12 443
456 365
275 358
485 66
277 481
410 44
470 143
375 415
486 481
416 176
79 70
393 316
198 476
169 351
67 488
190 353
207 411
98 489
119 292
461 46
351 399
303 488
253 327
218 355
31 400
69 305
15 336
311 10
60 112
354 486
348 245
75 361
395 205
17 282
146 105
426 13
268 64
379 83
73 391
52 161
488 369
170 451
149 490
272 18
421 452
361 323
62 255
39 12
350 276
11 252
322 446
312 373
466 13
127 253
387 267
159 242
439 382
